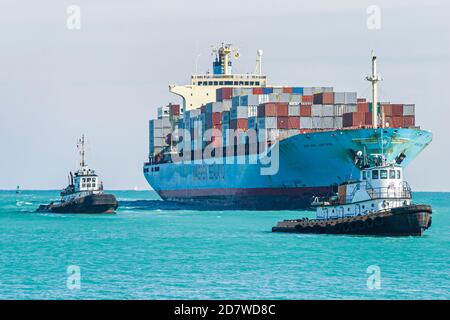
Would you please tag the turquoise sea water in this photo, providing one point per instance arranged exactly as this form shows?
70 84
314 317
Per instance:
151 250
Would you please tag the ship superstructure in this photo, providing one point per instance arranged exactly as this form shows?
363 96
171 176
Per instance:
236 141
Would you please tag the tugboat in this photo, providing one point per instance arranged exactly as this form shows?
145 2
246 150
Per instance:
84 194
378 203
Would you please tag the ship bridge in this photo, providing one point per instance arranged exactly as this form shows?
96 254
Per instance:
202 89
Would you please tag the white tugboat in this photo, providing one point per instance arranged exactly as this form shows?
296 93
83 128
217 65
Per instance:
378 203
84 194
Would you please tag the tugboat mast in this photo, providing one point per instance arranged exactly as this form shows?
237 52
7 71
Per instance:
80 145
374 80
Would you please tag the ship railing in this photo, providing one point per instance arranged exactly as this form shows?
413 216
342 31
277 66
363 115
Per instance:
401 192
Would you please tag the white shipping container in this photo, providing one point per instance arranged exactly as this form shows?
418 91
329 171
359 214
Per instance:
338 110
239 112
305 122
317 122
350 98
226 105
316 110
252 111
296 98
237 92
339 97
409 109
327 122
328 110
338 124
277 90
308 91
294 110
267 123
350 108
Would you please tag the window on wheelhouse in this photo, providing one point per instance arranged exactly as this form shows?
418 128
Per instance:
375 174
391 174
383 174
399 175
364 175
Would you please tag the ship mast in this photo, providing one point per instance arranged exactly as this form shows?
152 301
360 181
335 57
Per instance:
374 80
80 146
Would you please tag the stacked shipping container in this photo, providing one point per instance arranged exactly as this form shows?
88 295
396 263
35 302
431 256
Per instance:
277 112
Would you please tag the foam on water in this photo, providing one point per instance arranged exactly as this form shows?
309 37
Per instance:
157 250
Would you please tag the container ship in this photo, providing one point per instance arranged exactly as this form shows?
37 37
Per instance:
235 141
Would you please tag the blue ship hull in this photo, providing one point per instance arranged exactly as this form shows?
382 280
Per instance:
310 164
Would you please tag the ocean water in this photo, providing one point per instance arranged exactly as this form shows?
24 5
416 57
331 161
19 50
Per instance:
153 250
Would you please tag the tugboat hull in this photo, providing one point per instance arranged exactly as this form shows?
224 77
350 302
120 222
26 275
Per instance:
94 203
410 220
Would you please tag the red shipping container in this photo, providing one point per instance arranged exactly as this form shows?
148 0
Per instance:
216 118
324 98
257 91
409 121
282 109
363 107
387 109
224 93
294 123
397 110
267 110
353 119
282 123
174 109
368 118
287 90
307 100
305 111
239 124
396 122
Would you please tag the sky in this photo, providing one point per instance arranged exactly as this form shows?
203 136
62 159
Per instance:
107 78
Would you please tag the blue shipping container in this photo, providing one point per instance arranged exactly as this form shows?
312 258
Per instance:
297 90
267 90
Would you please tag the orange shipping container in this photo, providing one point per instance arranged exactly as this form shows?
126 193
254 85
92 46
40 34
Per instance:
294 123
267 110
239 124
324 98
363 107
307 100
305 111
282 109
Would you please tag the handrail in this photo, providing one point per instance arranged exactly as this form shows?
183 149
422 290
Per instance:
401 192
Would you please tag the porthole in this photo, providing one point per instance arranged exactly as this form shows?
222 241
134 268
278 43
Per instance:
363 207
373 205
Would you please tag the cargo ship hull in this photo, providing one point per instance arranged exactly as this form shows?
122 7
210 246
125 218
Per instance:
310 164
